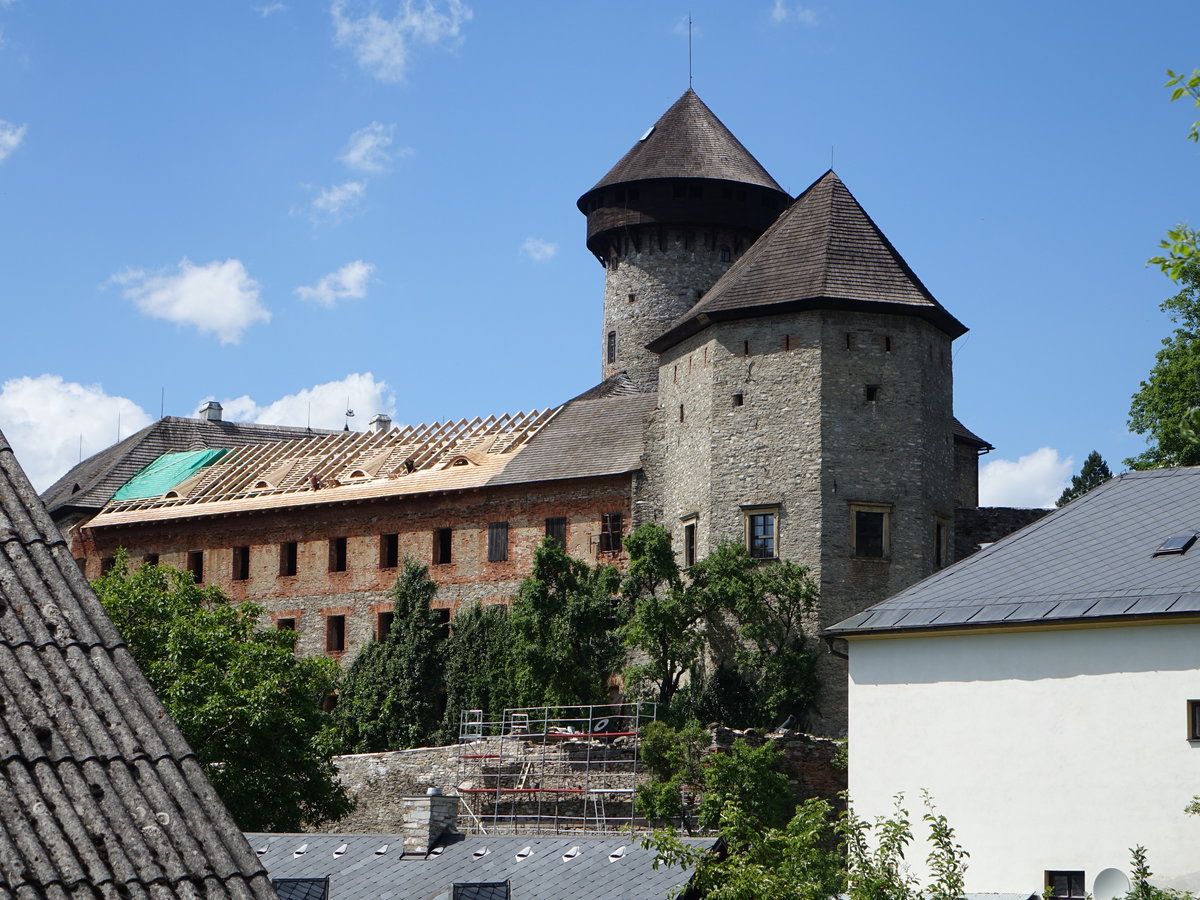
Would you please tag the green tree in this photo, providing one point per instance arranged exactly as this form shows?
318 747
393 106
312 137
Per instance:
389 697
246 704
564 631
1161 408
675 760
477 665
1182 244
666 620
1094 473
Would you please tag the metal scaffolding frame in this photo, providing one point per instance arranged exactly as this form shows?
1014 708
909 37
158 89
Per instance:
552 769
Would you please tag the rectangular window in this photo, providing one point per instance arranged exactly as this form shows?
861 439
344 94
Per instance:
383 624
337 554
556 530
1193 710
106 564
442 546
151 559
285 624
195 565
941 542
760 531
689 543
610 533
287 558
1065 885
335 634
870 530
389 551
612 347
443 617
241 563
497 542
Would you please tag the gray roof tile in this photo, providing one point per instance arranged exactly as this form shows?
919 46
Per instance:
1090 560
99 793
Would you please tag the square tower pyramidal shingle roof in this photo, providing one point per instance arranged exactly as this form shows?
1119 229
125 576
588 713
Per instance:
100 796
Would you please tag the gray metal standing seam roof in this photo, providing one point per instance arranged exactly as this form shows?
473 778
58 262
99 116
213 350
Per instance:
359 867
1092 560
100 796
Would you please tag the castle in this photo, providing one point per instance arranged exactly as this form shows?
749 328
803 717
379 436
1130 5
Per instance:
773 373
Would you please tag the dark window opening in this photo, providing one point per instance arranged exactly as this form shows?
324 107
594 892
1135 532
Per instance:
939 544
612 347
383 624
760 535
335 634
1065 885
610 533
556 530
689 545
195 565
287 558
151 559
286 623
871 392
106 564
745 348
443 617
869 533
442 546
389 551
241 563
787 342
739 398
632 297
328 703
726 255
680 412
1193 709
887 343
497 542
337 554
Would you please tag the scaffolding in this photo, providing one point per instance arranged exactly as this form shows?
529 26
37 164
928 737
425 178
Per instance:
551 769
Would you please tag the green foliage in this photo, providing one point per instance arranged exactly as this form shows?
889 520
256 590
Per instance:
875 856
675 761
749 778
477 664
389 697
947 859
1142 889
1182 244
1162 407
246 704
1094 473
564 631
666 622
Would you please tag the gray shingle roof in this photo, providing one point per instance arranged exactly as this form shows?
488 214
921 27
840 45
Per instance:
359 871
99 794
1090 561
689 141
100 476
823 251
967 436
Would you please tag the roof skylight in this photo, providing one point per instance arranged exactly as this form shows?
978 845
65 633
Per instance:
1177 544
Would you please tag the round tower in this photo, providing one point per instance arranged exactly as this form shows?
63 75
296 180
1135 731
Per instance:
666 222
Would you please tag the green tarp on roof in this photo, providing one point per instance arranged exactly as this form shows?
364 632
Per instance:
165 472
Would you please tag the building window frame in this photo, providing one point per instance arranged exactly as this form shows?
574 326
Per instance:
289 556
866 540
760 525
285 623
556 530
443 546
389 550
241 564
195 565
497 542
610 352
689 540
383 623
335 633
611 532
338 556
1072 880
1193 720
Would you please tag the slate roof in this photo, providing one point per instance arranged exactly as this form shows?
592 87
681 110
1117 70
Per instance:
100 476
1091 561
967 436
361 871
823 251
688 141
100 797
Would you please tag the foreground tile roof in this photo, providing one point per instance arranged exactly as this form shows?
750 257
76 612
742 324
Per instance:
100 796
538 867
1092 561
824 251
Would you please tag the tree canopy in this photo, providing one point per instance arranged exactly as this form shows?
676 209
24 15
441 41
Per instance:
246 704
1094 473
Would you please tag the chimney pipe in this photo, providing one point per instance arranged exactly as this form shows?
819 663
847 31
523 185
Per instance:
381 423
211 411
426 819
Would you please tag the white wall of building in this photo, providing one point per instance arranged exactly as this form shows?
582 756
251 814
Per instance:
1048 750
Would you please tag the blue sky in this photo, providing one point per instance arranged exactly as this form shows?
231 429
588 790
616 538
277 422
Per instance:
285 205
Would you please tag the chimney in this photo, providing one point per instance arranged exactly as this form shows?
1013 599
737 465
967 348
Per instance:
211 411
381 423
426 819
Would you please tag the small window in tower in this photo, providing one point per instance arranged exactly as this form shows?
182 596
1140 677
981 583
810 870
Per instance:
739 398
689 542
871 392
443 546
241 563
887 343
675 374
680 412
287 558
849 341
745 348
870 530
632 297
941 542
195 565
760 524
389 551
337 554
726 254
612 347
787 342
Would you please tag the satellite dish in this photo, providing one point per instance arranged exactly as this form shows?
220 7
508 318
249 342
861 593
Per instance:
1110 884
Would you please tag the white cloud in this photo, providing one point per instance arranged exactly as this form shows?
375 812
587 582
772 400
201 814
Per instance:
382 46
347 283
368 149
219 298
269 9
781 13
321 406
10 137
538 250
52 424
341 200
1035 480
